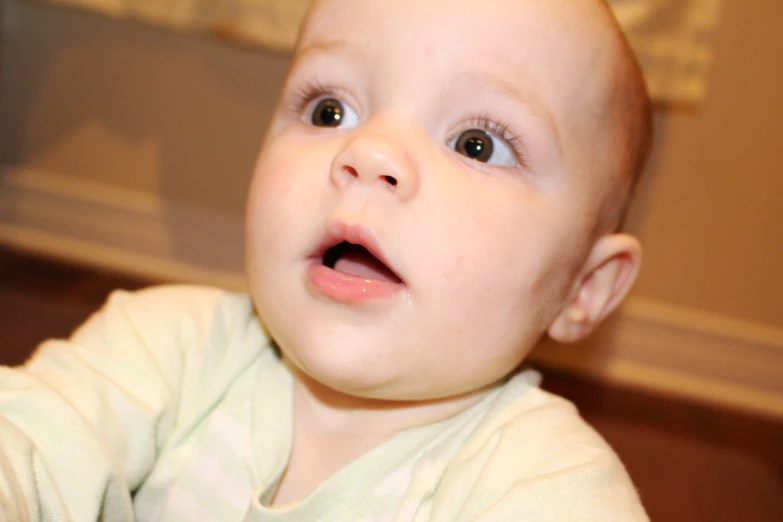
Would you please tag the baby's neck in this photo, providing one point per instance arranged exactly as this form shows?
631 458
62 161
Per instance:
332 429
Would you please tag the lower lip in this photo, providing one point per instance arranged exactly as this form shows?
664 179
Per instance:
349 288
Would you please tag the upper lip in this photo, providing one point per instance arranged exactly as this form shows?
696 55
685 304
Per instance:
339 231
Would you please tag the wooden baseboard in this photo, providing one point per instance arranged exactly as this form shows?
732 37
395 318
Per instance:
649 345
682 352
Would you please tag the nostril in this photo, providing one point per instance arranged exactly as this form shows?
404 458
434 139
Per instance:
391 180
351 171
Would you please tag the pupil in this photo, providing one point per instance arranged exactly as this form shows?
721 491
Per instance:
476 145
328 113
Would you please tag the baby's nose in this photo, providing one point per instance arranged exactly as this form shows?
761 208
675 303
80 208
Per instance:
378 161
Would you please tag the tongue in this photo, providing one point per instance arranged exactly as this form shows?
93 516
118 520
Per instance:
356 260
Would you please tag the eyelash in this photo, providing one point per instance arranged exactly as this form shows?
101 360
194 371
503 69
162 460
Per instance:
502 132
308 92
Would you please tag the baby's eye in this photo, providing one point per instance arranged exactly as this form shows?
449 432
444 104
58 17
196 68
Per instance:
481 146
331 112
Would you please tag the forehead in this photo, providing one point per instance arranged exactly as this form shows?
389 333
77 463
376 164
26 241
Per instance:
553 47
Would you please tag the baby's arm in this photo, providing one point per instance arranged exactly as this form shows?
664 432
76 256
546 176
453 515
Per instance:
84 421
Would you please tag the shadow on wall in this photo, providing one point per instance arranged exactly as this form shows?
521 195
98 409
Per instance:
638 212
134 107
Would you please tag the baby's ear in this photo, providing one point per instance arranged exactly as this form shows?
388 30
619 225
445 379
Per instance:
607 275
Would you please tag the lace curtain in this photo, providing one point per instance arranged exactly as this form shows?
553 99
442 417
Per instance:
670 37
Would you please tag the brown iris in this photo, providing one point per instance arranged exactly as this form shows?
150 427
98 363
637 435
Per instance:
328 113
475 144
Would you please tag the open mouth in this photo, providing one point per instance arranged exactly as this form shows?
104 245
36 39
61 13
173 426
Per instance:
356 260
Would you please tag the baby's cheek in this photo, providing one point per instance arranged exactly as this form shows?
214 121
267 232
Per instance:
276 193
269 220
272 178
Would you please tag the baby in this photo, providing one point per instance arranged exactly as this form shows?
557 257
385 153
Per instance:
440 188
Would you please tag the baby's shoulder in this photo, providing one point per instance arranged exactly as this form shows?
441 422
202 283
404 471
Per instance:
542 431
170 320
533 449
172 306
177 300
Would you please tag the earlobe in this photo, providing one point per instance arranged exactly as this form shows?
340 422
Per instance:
607 276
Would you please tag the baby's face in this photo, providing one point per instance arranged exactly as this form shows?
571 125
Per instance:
453 142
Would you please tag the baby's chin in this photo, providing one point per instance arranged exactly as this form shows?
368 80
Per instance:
377 388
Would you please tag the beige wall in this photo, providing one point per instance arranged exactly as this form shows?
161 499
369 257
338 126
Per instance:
181 117
710 213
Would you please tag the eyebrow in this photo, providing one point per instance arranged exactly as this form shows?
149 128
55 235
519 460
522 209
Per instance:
528 97
482 79
308 51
